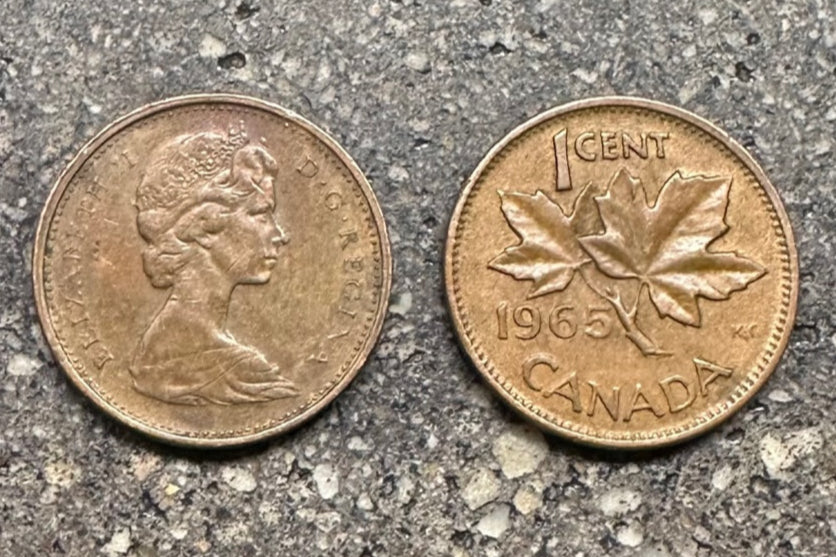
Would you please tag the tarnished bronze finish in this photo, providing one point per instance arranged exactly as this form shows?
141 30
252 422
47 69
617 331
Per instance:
212 270
622 272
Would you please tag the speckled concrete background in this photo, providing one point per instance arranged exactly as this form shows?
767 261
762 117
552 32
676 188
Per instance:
417 457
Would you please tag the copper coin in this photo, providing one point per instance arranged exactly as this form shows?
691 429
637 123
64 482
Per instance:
622 272
212 270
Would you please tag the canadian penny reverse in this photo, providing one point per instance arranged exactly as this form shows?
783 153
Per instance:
211 270
621 272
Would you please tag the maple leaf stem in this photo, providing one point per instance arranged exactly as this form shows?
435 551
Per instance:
632 330
635 309
627 318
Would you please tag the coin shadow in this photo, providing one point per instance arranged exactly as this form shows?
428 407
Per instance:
207 454
127 435
623 455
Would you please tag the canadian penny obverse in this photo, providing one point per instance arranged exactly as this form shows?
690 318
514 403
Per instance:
621 272
212 270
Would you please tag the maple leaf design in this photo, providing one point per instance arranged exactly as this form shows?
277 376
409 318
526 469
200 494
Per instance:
549 252
621 245
665 245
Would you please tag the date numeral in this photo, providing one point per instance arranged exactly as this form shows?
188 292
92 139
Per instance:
526 322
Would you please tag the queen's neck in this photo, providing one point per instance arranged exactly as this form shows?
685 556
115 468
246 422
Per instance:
201 295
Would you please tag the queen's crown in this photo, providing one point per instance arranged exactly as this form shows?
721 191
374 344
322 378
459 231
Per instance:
180 166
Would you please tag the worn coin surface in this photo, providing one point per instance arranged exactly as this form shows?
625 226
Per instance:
212 270
621 272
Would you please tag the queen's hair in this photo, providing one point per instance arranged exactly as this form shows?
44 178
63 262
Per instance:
187 191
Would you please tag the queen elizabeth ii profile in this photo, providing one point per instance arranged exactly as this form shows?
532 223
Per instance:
205 209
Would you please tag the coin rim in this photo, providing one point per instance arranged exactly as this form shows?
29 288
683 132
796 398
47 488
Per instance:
90 148
736 149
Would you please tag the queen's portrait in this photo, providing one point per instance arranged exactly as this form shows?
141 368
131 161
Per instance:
206 213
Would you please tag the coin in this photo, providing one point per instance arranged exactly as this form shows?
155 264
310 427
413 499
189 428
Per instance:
621 272
211 270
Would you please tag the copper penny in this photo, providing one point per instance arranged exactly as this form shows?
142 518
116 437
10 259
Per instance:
211 270
622 272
